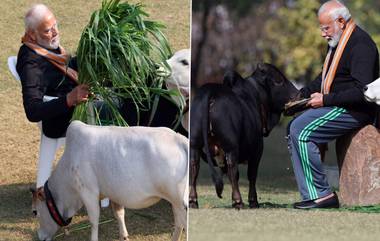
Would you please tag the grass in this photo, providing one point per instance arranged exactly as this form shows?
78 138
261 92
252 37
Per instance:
19 139
121 47
280 224
17 222
275 219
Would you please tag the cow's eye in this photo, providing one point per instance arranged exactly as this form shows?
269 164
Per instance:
184 62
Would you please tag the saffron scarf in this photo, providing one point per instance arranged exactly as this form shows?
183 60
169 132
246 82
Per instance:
328 76
58 60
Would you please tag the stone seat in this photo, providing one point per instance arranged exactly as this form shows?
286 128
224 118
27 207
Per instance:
358 156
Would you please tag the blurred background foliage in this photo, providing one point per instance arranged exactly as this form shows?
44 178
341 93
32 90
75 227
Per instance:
239 34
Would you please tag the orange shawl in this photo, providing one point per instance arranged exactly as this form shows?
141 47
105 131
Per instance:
327 78
58 60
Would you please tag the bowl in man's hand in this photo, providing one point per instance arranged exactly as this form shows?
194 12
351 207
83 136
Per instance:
292 107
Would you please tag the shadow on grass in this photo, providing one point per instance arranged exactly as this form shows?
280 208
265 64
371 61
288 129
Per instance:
374 209
275 169
16 217
280 183
265 205
275 205
207 201
16 210
15 202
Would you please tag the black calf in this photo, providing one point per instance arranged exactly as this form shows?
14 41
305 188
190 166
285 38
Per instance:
230 120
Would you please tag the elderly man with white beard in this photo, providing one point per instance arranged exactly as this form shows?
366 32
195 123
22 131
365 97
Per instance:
336 100
46 69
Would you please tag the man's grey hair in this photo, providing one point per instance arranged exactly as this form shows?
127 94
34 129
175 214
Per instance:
336 13
35 15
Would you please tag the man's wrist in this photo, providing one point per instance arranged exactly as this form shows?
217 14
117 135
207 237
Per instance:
327 99
68 102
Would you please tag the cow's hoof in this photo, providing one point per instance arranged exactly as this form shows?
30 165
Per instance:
124 239
238 204
193 204
253 204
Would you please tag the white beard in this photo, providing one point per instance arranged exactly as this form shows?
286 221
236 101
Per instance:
54 44
333 42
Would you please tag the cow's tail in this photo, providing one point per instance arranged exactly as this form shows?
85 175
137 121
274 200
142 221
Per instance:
216 177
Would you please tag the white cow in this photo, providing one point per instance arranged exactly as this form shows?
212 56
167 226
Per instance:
372 92
134 166
180 80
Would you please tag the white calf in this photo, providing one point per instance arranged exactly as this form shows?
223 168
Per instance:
134 166
180 79
372 92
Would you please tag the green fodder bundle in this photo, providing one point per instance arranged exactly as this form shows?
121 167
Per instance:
121 56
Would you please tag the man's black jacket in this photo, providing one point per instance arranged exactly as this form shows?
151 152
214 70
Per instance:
38 78
358 66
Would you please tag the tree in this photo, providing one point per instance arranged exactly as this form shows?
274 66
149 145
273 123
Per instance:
293 41
206 19
281 32
366 13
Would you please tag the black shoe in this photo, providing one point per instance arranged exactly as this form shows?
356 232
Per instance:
299 203
331 202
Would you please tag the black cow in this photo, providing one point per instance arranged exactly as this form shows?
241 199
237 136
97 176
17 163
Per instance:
231 119
167 114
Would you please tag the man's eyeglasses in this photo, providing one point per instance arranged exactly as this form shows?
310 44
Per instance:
53 28
327 27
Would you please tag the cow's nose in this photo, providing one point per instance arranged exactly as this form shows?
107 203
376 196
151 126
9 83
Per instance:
365 88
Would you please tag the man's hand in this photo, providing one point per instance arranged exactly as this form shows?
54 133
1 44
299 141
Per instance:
316 100
78 95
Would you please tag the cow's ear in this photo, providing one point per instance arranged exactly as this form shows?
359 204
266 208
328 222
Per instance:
260 73
34 193
260 66
41 194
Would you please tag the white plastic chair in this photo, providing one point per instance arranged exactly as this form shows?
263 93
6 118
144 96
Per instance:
48 146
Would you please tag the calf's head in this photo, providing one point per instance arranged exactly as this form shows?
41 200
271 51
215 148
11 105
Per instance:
48 227
275 91
180 76
278 88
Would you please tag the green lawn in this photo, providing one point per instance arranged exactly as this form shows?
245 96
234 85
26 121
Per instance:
275 219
